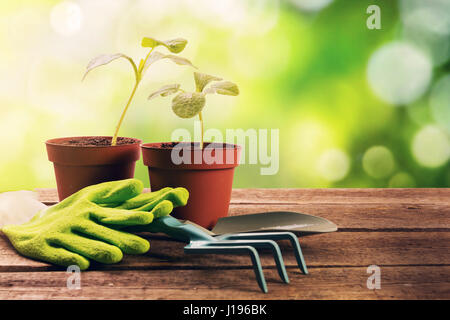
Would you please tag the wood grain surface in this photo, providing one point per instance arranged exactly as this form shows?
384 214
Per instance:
405 232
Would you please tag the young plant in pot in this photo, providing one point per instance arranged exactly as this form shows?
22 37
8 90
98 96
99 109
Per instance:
206 169
87 160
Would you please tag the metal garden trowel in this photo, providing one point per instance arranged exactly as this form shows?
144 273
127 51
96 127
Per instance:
236 235
299 223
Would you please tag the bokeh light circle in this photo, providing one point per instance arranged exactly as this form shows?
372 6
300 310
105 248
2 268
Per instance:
427 25
399 73
435 45
333 165
431 146
402 180
66 18
378 162
440 102
430 15
311 5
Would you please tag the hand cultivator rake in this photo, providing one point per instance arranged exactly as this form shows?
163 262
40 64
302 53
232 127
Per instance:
202 241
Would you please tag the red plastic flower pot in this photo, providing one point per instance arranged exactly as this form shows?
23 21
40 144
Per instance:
207 174
83 161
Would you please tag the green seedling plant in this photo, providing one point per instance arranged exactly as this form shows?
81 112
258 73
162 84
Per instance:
190 104
174 46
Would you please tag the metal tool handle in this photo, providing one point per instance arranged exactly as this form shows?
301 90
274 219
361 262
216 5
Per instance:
178 230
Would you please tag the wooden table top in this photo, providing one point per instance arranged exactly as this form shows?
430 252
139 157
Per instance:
405 232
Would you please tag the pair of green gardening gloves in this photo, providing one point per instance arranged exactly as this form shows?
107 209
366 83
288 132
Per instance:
87 225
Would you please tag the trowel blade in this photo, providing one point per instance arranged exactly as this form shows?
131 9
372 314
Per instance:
296 222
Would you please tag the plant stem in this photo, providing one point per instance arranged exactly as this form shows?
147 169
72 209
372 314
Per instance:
114 140
138 74
201 126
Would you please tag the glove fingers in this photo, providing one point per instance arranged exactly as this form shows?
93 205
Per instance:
63 257
121 217
114 191
144 199
43 251
92 249
164 208
124 217
147 201
127 242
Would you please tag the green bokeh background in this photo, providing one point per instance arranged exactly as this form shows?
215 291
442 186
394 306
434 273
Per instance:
299 70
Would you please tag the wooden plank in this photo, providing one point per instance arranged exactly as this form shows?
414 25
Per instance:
365 217
356 249
322 283
403 209
404 231
343 196
48 196
436 196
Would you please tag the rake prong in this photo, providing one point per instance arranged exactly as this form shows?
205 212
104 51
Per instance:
202 242
205 247
259 244
273 236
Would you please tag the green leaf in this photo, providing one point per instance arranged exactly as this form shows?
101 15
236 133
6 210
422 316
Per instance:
165 91
180 60
174 45
188 104
155 56
202 79
152 58
224 87
107 58
148 42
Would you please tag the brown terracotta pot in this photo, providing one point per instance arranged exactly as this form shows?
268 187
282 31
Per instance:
209 184
77 167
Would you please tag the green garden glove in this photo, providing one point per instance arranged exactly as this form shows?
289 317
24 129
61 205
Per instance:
86 225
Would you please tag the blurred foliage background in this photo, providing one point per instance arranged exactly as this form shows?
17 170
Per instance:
355 107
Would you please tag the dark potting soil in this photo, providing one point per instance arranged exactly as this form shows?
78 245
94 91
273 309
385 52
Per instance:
170 145
96 141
